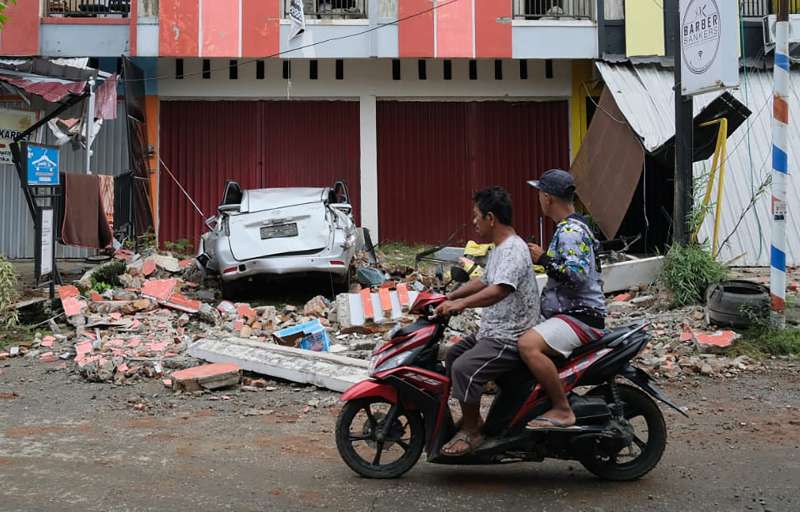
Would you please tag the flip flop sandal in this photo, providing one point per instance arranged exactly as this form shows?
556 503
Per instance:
466 439
550 424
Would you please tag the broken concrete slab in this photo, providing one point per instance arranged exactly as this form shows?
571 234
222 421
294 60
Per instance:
168 263
159 289
208 376
714 342
322 369
351 311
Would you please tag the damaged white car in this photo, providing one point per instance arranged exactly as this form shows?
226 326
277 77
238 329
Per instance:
277 231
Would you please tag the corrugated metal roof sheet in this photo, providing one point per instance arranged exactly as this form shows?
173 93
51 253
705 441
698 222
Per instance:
645 96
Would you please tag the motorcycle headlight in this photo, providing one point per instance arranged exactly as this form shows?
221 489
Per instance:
393 362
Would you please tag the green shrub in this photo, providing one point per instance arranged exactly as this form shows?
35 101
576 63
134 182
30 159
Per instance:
8 293
688 271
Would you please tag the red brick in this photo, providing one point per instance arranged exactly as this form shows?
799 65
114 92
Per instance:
66 291
623 297
402 294
159 289
180 302
246 312
366 303
148 267
386 300
719 339
48 357
48 341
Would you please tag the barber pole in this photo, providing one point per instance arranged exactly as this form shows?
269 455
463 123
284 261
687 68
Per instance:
780 167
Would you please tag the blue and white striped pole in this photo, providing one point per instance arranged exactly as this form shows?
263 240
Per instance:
780 168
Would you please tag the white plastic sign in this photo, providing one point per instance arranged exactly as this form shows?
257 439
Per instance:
709 54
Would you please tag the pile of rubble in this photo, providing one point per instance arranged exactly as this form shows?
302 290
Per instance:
142 323
683 343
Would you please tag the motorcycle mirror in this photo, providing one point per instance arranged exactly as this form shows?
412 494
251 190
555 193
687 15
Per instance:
458 274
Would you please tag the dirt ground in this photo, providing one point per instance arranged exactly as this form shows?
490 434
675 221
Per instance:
66 444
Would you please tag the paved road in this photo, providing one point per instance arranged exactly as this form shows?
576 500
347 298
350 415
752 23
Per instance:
70 445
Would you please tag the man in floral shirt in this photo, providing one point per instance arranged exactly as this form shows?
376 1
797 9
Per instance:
572 304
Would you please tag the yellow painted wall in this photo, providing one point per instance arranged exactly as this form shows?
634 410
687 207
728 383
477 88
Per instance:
581 81
644 28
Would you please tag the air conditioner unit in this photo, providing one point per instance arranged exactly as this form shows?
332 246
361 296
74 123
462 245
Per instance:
768 23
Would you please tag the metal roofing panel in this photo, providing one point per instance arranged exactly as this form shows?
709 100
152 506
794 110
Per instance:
646 99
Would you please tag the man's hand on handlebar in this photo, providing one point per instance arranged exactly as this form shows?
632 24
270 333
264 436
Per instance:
450 307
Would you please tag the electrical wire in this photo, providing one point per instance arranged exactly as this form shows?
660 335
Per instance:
303 47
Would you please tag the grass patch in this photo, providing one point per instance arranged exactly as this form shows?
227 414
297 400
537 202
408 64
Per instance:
15 335
398 253
766 341
688 271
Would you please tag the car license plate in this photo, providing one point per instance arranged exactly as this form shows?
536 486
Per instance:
280 231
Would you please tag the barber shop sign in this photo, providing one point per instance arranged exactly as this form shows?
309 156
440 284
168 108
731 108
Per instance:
709 45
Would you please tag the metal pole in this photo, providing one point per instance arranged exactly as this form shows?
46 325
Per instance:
684 119
780 167
90 126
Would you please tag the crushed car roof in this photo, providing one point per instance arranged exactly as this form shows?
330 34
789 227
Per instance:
268 198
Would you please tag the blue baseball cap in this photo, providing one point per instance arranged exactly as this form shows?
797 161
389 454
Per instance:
556 182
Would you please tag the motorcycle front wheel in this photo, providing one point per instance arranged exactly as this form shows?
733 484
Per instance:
649 437
372 447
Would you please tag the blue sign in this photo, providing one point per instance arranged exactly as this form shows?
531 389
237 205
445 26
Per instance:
42 164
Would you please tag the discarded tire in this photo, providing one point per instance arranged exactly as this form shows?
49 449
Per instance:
736 303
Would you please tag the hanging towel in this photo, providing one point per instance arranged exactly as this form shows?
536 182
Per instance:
85 223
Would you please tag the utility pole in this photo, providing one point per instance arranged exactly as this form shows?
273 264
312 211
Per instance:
780 167
684 125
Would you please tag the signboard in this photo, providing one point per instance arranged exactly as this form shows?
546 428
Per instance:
12 123
41 165
45 238
709 45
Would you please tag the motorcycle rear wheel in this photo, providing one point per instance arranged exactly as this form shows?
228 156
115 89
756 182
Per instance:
407 433
636 404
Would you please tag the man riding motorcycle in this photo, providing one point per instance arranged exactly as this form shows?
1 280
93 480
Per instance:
509 295
573 304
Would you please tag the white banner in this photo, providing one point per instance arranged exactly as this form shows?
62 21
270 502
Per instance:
709 40
12 123
297 17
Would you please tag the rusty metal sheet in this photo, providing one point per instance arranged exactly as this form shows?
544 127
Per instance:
259 144
608 166
433 156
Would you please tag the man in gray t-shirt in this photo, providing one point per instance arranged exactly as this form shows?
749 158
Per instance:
509 296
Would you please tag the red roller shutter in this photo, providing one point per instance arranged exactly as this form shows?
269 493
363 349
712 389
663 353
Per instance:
432 156
258 144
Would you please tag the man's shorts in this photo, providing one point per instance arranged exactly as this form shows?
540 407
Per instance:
473 362
564 333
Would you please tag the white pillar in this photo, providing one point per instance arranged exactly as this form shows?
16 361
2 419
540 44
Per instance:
89 127
369 165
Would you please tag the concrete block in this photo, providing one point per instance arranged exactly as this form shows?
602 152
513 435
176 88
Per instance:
322 369
208 376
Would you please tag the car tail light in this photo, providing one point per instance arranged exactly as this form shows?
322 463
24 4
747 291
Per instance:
230 270
337 263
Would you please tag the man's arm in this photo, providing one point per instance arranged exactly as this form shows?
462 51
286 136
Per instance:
490 294
474 285
570 263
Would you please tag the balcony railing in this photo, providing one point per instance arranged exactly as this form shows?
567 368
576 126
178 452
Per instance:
554 9
761 8
332 9
88 8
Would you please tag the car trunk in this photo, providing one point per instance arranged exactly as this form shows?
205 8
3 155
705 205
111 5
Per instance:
299 228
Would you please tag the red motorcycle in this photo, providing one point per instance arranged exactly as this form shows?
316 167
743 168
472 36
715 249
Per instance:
402 409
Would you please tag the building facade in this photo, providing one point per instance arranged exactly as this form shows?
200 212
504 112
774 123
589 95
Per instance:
414 103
